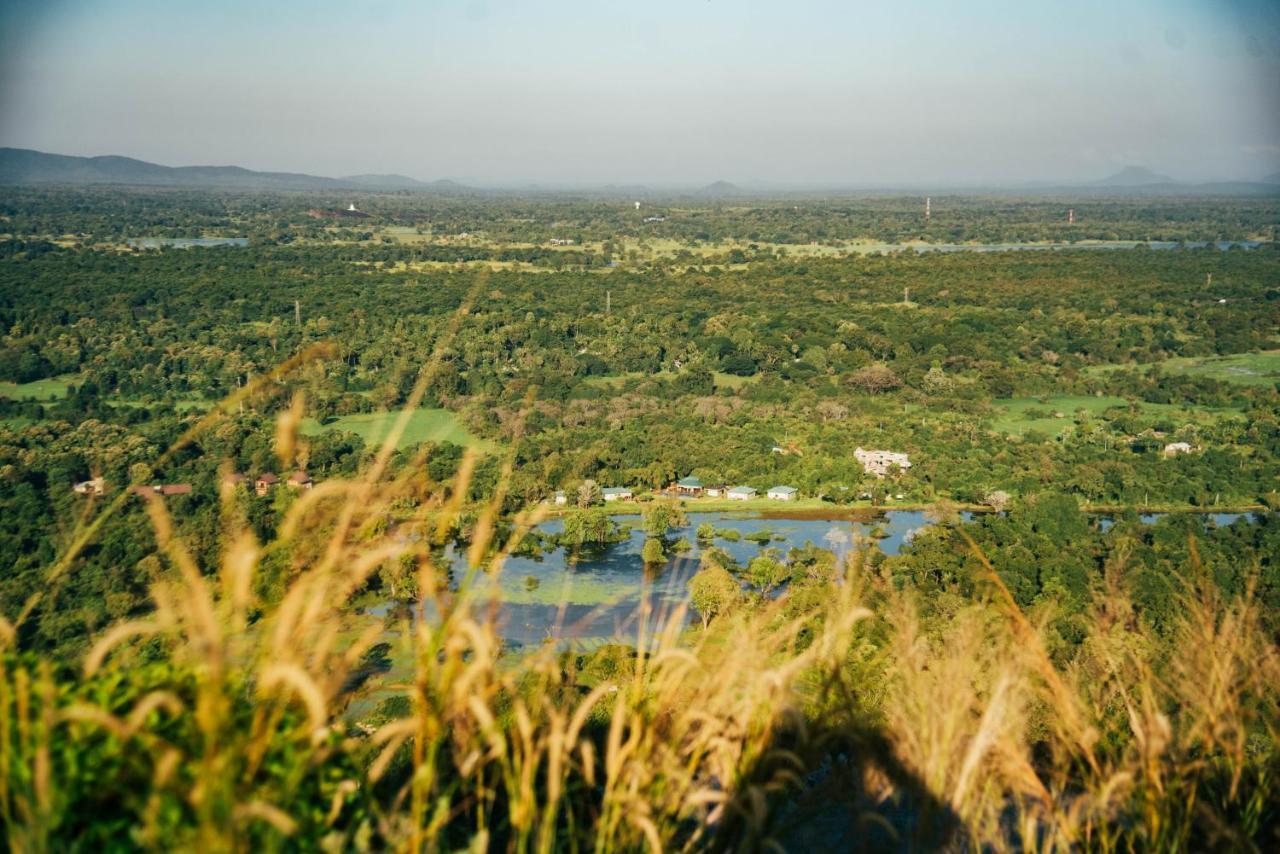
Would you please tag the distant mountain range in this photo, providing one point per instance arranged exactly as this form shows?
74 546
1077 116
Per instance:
1135 176
24 166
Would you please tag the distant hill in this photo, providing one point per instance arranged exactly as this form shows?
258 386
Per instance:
385 182
24 166
720 189
1135 176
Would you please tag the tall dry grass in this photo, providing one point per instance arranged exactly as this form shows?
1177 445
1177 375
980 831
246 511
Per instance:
244 744
221 721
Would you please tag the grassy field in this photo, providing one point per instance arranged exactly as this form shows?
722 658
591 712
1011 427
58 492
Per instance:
1261 369
425 425
1017 416
47 389
731 381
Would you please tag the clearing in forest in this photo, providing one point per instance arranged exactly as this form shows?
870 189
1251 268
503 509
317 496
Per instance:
425 425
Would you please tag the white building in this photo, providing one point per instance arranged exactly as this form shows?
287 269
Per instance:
1174 448
782 493
95 486
742 493
879 462
560 498
616 493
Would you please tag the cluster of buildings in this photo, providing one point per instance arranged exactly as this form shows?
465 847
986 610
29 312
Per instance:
878 463
262 485
692 487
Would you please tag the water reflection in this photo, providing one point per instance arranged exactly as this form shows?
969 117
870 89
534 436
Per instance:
603 592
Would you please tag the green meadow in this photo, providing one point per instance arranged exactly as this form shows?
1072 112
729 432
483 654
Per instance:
52 388
1255 369
1261 369
425 425
1020 415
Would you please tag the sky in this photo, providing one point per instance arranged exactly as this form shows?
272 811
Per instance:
587 92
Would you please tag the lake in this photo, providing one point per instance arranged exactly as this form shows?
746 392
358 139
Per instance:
597 597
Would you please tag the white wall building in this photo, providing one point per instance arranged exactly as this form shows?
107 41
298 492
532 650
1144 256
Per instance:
879 462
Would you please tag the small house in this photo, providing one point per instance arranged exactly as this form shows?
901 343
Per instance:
265 483
689 486
715 491
742 493
560 498
1174 448
300 480
782 493
93 486
162 489
616 493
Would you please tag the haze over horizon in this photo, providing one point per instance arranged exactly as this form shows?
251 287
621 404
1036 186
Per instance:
569 92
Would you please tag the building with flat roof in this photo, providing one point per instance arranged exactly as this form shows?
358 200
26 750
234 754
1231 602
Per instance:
880 463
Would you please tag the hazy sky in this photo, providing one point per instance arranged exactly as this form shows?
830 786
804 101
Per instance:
592 91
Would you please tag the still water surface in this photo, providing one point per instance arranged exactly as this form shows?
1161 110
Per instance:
597 597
